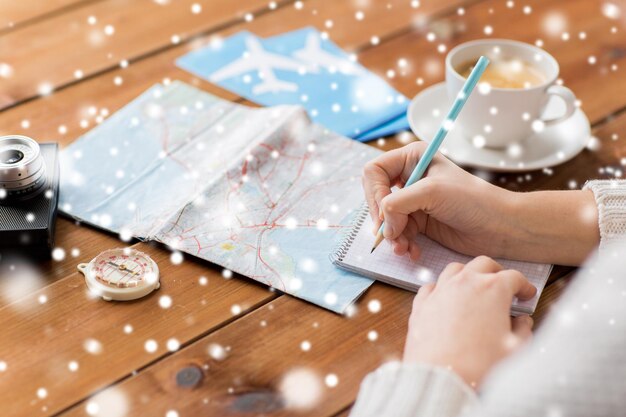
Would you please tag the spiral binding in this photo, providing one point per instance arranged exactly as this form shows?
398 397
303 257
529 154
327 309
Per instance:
340 251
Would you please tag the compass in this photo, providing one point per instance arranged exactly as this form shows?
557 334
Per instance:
121 274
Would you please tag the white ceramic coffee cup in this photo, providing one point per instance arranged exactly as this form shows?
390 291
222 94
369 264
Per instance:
499 117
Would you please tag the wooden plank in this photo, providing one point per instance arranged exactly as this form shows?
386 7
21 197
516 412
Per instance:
104 89
38 340
90 50
339 346
122 30
66 109
263 348
13 14
594 85
59 117
74 306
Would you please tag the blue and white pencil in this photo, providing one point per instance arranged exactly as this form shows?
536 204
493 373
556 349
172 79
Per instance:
446 125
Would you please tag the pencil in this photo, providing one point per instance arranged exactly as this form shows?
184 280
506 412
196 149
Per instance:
445 127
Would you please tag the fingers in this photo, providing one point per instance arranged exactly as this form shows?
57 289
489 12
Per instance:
400 245
522 327
414 251
376 186
396 207
514 281
450 270
422 294
380 174
484 264
517 284
393 167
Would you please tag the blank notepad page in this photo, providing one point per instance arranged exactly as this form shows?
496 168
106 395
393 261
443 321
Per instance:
386 266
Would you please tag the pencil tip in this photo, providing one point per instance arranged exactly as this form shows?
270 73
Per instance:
372 251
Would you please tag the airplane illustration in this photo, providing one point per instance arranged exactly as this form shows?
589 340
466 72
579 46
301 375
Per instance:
315 56
258 59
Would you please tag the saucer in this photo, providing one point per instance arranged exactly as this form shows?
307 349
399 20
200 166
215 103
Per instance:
552 146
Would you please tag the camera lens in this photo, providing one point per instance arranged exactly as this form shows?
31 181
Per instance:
22 168
11 156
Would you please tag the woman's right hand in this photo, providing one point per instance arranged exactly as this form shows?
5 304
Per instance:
449 205
470 215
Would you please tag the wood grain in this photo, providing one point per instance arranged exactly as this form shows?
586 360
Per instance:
58 117
97 94
593 84
264 347
14 14
153 26
123 30
39 340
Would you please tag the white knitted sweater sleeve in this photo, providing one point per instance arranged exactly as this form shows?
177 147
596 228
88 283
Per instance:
611 200
575 367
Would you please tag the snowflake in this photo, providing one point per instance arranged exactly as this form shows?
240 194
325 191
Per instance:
611 10
58 254
45 89
173 344
165 301
176 258
301 389
374 306
331 380
92 346
151 346
217 352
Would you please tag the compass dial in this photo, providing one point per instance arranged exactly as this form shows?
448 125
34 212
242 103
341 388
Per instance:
115 268
121 274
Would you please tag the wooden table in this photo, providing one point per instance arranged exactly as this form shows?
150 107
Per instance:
65 65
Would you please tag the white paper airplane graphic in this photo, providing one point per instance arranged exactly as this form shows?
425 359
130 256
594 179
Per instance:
316 57
258 59
310 58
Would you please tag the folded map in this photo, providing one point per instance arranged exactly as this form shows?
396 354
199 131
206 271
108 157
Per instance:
262 192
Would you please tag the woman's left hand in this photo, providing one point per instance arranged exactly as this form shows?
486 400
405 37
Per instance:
463 322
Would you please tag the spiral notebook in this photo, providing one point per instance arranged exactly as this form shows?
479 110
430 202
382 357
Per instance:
353 254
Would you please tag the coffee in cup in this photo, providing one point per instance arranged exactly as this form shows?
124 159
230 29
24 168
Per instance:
508 104
506 73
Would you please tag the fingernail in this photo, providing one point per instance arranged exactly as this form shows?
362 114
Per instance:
380 214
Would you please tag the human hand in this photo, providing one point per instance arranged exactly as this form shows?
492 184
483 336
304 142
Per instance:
449 205
463 321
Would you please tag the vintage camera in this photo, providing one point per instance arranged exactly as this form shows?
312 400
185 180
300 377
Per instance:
29 185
